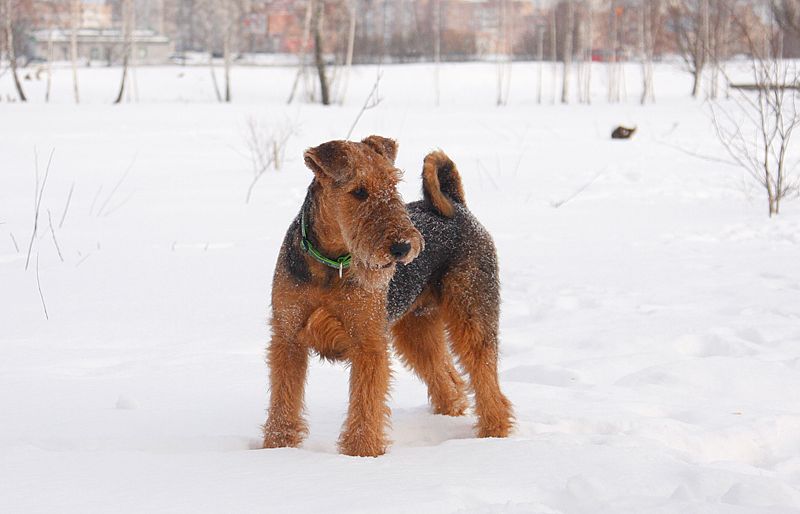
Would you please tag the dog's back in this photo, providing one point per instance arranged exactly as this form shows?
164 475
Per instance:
446 226
449 296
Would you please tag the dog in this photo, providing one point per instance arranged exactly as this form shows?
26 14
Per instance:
359 269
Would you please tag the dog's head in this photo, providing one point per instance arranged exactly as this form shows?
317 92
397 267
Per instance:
358 184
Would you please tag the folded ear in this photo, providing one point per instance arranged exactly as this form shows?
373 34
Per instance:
382 145
329 160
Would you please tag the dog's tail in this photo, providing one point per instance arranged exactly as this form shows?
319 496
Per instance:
441 183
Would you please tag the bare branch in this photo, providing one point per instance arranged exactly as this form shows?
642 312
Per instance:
94 200
39 287
53 233
14 240
370 102
584 187
267 148
116 186
37 207
66 206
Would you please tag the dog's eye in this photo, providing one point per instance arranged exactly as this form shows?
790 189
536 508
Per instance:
360 193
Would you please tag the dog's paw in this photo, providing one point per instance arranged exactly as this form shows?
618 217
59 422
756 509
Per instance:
496 430
497 422
360 446
283 436
454 407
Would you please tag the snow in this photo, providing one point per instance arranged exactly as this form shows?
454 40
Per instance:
650 328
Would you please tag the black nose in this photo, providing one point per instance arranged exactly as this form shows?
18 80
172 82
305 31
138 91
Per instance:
400 249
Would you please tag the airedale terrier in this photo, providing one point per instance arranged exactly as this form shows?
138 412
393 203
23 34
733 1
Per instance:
359 268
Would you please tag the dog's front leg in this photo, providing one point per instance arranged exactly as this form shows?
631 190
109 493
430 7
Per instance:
364 432
288 362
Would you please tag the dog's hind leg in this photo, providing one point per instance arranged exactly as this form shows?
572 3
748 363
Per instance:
419 339
471 308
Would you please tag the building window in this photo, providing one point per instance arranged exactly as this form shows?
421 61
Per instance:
94 53
142 52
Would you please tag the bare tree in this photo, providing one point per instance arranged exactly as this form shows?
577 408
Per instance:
584 33
304 44
503 55
49 64
351 42
75 23
51 13
719 39
10 6
127 35
553 50
318 11
702 30
209 10
787 14
231 14
757 126
614 67
540 58
688 25
650 23
437 48
567 53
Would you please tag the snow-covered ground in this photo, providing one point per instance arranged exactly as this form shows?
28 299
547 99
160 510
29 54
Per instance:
650 326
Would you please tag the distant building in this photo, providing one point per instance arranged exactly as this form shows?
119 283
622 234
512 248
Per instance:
95 16
104 45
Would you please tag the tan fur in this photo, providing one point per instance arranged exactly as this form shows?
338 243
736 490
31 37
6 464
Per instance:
434 161
419 338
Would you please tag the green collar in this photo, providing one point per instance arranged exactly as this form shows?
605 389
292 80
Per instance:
340 263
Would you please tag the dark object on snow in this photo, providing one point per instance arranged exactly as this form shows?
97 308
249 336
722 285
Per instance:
622 132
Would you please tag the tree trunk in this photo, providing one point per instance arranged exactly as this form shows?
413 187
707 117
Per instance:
567 57
696 82
127 20
226 48
75 16
214 75
499 49
12 55
437 47
540 57
118 100
319 58
580 52
508 30
49 64
613 73
590 45
646 52
351 41
301 70
554 51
